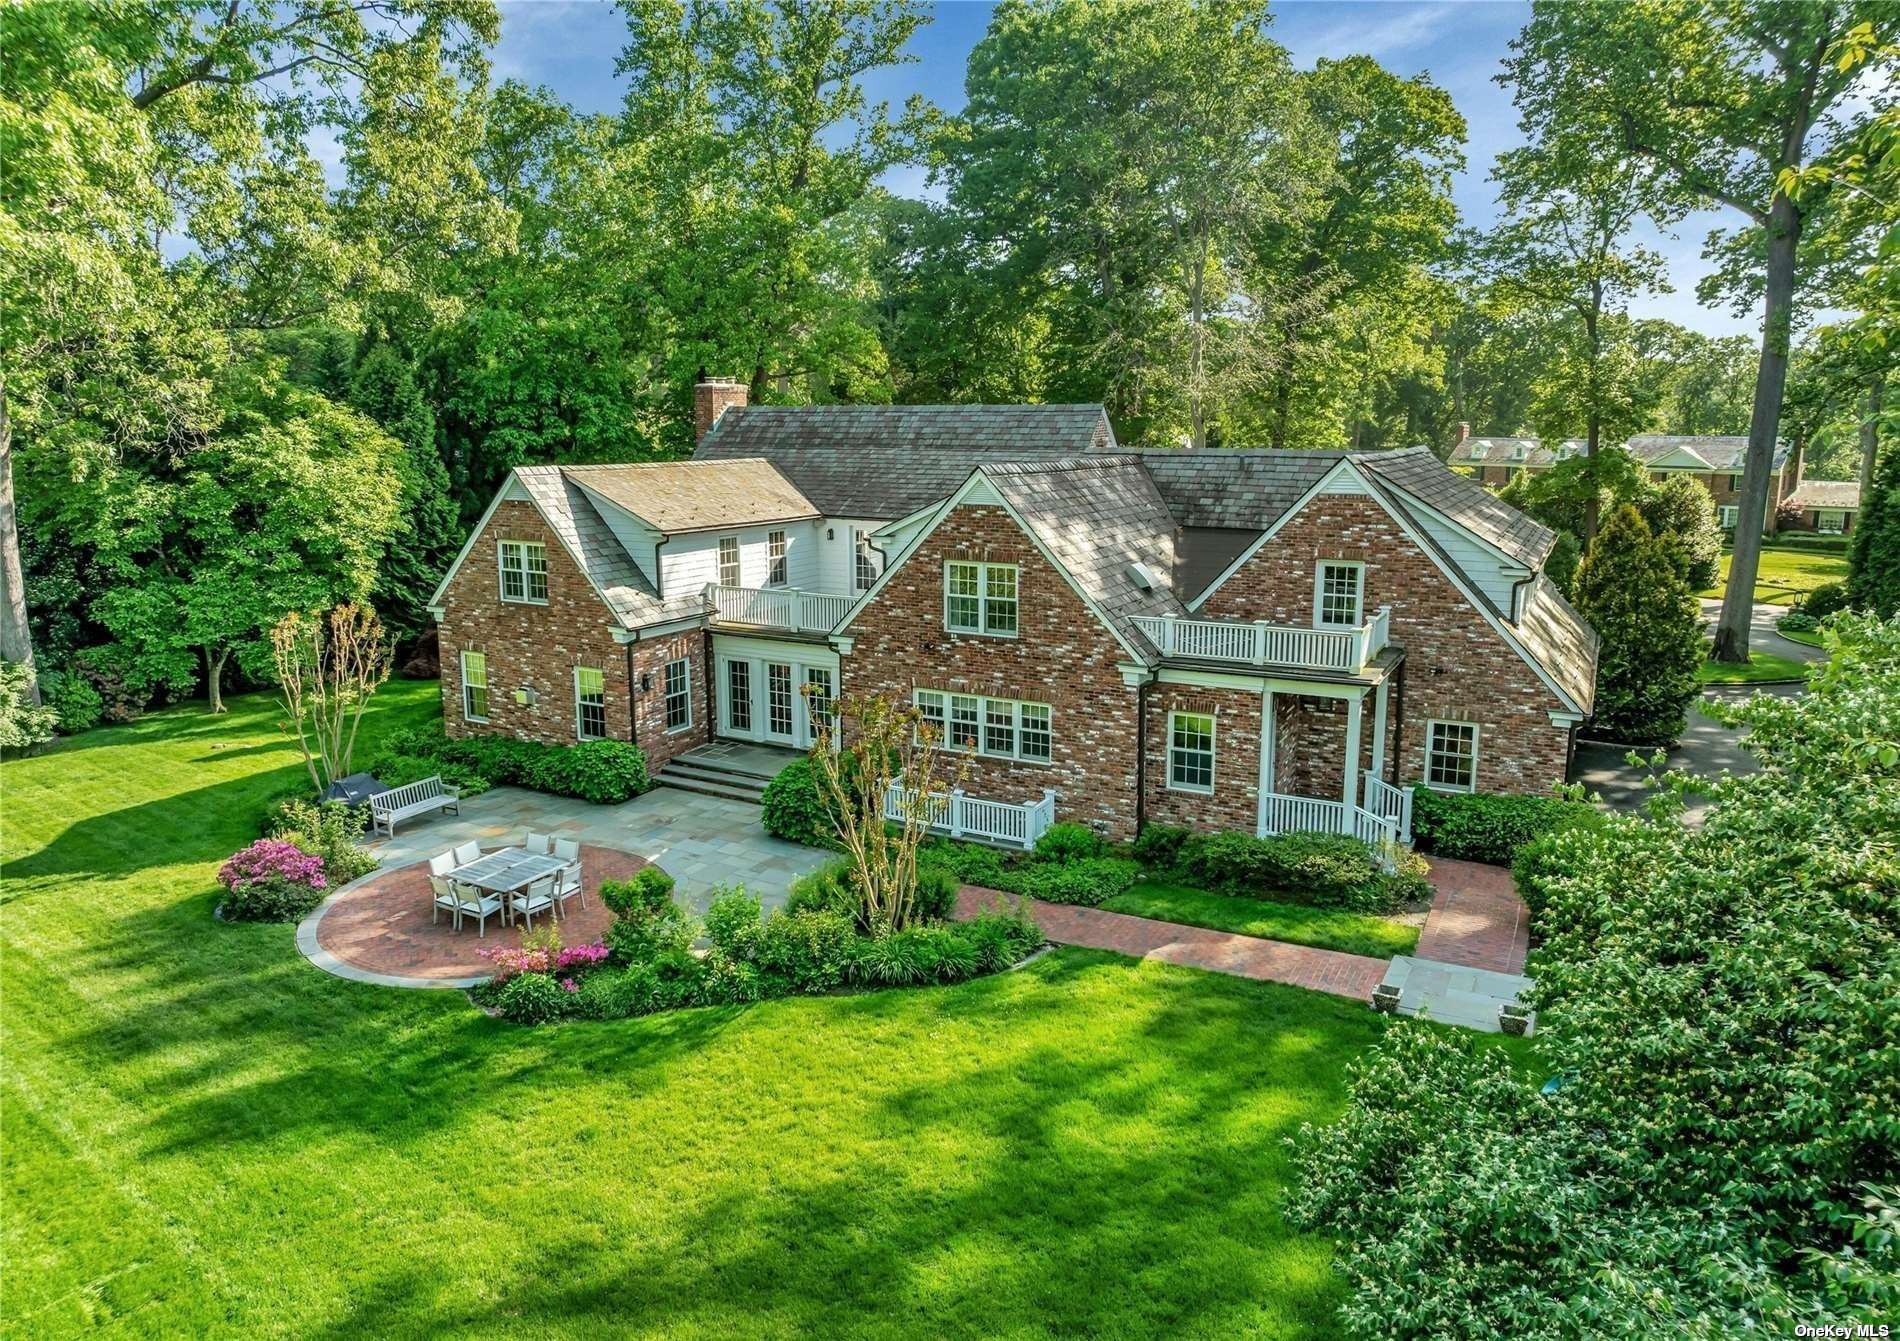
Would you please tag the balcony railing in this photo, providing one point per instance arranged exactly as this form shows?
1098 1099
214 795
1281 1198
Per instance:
777 607
1391 804
1264 644
963 816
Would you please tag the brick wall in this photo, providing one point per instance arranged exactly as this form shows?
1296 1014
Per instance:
1235 803
540 645
1457 667
650 658
1061 656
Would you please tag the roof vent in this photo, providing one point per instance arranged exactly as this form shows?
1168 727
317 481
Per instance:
1143 576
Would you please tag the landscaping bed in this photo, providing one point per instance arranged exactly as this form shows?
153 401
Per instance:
1274 920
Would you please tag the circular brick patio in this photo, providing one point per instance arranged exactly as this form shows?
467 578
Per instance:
378 929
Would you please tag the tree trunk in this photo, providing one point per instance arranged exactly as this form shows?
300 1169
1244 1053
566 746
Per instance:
214 678
1771 380
1593 434
1869 434
16 637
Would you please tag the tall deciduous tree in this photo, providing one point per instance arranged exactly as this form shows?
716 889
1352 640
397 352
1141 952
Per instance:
1731 102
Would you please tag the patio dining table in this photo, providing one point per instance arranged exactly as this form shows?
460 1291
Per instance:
505 872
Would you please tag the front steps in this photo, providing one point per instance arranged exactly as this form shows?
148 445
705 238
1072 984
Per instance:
733 770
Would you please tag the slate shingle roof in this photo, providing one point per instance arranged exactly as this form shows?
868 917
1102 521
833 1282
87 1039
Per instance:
1419 473
1098 515
1513 452
1561 639
678 496
600 555
1826 494
1234 489
1724 454
887 461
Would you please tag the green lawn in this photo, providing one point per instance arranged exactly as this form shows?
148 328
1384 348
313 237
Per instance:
1786 572
1761 666
200 1133
1355 933
1798 636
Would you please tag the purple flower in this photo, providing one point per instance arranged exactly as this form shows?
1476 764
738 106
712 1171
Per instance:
272 859
569 985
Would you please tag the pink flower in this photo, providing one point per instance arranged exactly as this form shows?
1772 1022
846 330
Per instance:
569 985
272 859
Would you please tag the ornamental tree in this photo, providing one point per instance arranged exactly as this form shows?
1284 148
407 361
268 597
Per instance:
328 667
1632 587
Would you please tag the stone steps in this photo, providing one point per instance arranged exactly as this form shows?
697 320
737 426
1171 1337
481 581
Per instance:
706 772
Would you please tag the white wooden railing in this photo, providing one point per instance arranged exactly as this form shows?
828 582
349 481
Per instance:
777 607
1391 804
1263 644
963 816
1311 814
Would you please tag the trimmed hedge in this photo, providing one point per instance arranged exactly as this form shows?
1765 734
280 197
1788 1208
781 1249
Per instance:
602 772
1475 826
1082 880
792 809
1324 870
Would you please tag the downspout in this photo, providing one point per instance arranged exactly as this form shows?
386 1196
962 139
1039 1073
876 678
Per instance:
1141 756
633 695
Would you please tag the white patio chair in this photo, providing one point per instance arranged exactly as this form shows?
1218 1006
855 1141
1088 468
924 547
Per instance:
476 903
442 863
445 900
569 851
467 852
536 843
536 898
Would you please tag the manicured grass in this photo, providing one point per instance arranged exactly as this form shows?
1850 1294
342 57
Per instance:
1786 571
200 1133
1761 666
1354 933
1806 639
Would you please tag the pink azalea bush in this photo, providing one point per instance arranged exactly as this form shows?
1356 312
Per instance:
547 956
271 881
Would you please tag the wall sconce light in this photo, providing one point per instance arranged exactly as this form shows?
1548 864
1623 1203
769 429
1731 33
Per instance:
525 696
831 533
646 681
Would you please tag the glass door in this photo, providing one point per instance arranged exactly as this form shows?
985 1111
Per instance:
781 719
737 698
818 696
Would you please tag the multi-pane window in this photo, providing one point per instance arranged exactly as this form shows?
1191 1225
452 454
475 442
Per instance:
1001 728
980 598
1451 756
590 703
475 686
739 695
524 572
778 698
728 560
1340 594
1191 751
864 562
679 694
818 696
775 558
1725 517
1734 483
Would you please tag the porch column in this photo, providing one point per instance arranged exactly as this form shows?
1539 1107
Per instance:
1349 790
1378 731
1266 764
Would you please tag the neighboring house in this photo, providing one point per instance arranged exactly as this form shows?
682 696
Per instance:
1828 506
1254 640
1717 462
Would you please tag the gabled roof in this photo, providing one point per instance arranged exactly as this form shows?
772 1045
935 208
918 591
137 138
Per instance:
1096 516
600 556
1418 473
676 496
1561 639
1720 454
1826 494
887 461
1527 452
1233 489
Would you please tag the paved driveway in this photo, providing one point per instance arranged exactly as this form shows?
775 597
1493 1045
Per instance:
1707 748
701 841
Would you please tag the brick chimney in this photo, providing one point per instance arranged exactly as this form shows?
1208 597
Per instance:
1464 431
712 398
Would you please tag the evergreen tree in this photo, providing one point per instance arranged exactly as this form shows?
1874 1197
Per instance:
1873 561
1631 586
384 388
1681 510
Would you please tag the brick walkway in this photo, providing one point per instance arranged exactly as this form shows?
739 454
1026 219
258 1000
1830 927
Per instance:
1477 920
382 926
1217 951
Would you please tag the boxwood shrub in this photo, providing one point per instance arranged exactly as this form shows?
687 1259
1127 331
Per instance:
1325 870
792 809
603 772
1481 827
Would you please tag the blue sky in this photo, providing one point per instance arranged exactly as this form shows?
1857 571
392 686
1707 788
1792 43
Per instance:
570 45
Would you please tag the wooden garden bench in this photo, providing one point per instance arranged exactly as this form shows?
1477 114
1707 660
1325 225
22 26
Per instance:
412 798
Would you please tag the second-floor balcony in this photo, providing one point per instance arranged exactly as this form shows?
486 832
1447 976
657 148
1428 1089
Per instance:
1257 643
781 608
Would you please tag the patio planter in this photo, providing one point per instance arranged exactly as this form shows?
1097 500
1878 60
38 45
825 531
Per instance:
1385 999
1516 1020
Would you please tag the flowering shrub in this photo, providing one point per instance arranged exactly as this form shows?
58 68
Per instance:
271 881
544 954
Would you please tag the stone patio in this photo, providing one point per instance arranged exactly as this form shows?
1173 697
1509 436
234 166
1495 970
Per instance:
701 841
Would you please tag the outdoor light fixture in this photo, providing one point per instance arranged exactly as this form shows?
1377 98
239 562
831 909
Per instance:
525 696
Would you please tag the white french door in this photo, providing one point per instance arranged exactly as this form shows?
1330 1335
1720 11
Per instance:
781 704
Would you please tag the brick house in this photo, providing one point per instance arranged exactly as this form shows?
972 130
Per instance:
1254 640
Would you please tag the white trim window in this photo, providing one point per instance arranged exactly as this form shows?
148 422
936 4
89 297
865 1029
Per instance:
524 572
863 561
738 695
474 686
1451 756
1725 516
728 560
1191 752
1339 596
775 558
590 703
679 694
980 598
818 699
998 728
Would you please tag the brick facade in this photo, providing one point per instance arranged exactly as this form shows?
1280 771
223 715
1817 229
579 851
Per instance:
1235 803
1062 656
1457 668
538 647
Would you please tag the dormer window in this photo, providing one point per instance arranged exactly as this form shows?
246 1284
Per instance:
524 572
728 560
980 598
1339 596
